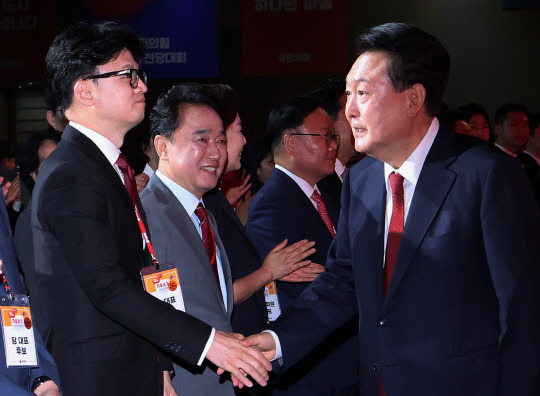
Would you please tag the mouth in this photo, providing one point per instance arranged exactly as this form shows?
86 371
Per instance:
209 169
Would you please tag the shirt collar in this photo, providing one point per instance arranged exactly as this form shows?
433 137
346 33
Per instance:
534 157
107 147
187 199
304 185
340 168
505 150
412 166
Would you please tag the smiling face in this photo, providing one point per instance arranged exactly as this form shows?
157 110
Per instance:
378 115
314 158
195 155
235 144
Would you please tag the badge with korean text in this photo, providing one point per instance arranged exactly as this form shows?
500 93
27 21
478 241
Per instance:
18 332
164 284
272 302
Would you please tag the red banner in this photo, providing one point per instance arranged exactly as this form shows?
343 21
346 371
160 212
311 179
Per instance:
292 37
27 28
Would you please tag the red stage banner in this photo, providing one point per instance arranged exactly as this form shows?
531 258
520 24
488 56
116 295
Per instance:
27 28
293 37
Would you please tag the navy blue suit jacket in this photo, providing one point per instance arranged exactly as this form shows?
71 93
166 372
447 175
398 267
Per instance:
16 381
461 314
281 210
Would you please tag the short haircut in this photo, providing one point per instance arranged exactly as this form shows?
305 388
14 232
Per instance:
502 112
80 49
168 113
289 115
415 57
28 156
534 120
226 99
329 94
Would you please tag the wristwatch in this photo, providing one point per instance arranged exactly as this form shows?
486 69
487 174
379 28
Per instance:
40 380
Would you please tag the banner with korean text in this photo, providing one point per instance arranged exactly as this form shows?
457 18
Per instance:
181 37
294 37
27 28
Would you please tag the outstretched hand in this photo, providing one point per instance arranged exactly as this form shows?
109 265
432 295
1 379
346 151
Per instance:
304 274
228 354
263 342
283 259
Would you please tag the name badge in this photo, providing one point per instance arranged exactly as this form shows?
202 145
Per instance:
272 301
164 284
18 332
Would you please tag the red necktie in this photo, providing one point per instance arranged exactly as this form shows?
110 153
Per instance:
394 237
394 230
129 177
207 237
323 212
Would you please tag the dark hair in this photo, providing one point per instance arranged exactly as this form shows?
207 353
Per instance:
415 57
80 49
329 94
28 157
534 120
262 148
502 112
167 114
289 115
474 108
226 99
449 117
7 150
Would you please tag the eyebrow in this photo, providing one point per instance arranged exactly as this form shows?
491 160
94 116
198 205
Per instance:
204 131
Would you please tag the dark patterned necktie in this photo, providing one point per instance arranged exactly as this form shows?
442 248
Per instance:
129 177
207 237
323 212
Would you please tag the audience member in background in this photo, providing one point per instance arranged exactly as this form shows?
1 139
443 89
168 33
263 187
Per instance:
55 115
264 159
478 119
530 158
22 381
31 156
511 128
456 120
290 206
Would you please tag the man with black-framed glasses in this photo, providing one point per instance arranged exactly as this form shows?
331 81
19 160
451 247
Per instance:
291 206
105 332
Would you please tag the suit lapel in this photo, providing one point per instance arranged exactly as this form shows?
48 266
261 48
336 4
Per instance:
182 222
94 154
433 186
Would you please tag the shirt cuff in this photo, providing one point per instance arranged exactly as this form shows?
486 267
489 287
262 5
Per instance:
279 354
207 346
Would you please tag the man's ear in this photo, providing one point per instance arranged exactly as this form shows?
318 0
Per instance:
82 93
161 143
289 142
417 98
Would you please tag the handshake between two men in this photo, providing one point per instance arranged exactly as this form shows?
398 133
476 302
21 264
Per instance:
243 356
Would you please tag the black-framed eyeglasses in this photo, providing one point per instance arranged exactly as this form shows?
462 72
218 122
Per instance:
133 74
329 137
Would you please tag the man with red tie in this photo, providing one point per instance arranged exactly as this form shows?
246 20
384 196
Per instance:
290 206
437 246
104 331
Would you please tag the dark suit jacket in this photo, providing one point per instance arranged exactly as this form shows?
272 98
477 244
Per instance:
249 317
176 241
461 314
281 210
532 170
331 187
15 381
102 327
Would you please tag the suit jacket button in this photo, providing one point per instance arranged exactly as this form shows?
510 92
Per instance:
382 321
376 367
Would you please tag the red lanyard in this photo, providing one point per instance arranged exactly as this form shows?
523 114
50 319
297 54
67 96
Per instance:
6 286
146 239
